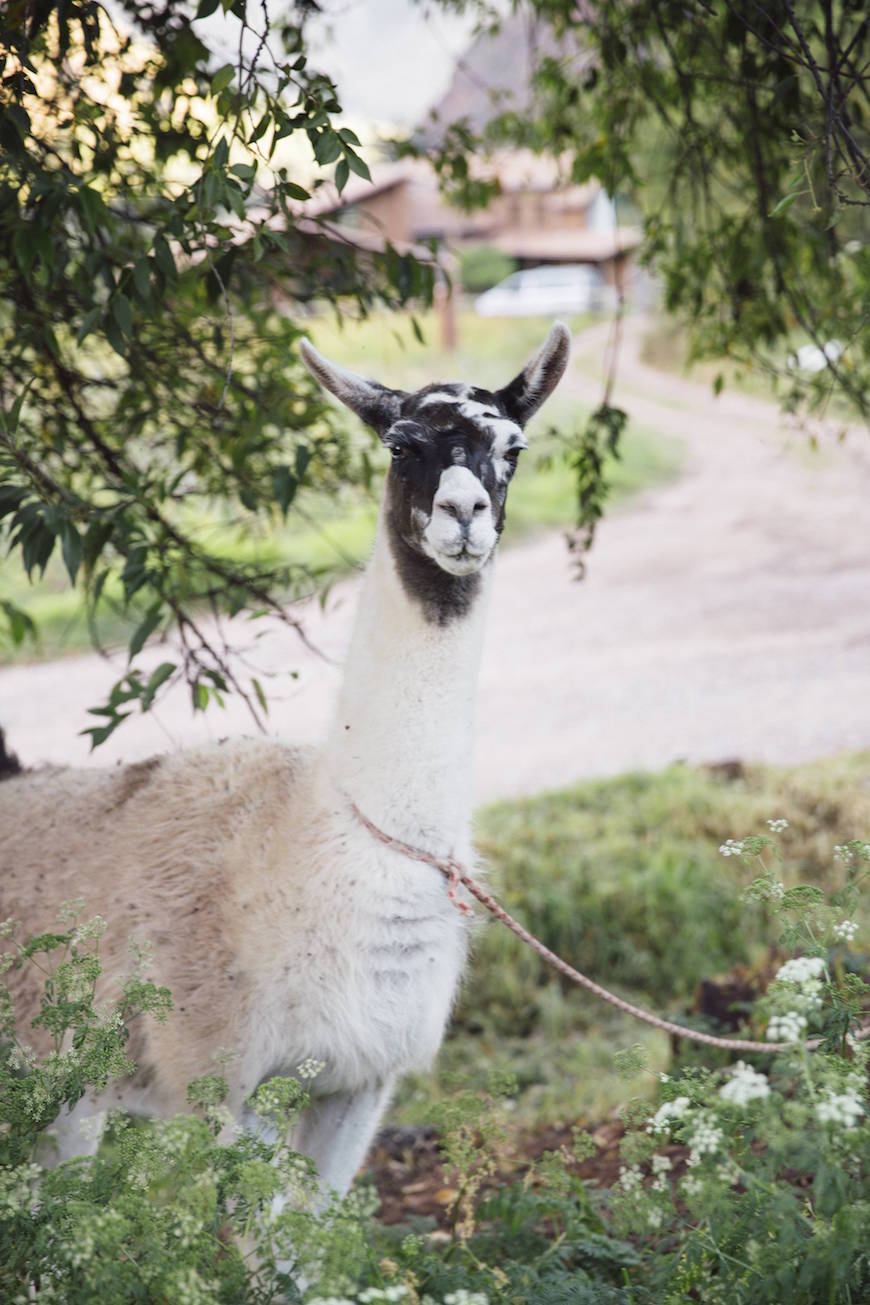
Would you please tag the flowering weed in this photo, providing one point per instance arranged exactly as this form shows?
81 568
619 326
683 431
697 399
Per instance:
752 1183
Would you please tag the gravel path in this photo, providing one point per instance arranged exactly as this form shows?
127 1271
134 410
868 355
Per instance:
724 615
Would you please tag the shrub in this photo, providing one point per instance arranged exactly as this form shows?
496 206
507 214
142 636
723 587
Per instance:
482 267
167 1212
751 1186
747 1185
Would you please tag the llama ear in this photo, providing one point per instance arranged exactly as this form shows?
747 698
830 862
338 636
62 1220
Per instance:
375 404
539 378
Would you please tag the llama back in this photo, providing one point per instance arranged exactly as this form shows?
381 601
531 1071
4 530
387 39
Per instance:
162 849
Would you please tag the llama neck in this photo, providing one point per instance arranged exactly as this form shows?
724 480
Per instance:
401 744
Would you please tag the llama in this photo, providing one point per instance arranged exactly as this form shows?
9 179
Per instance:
284 930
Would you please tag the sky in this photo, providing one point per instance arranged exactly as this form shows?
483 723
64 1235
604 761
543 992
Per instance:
391 59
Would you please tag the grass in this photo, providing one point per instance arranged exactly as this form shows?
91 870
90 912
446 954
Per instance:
329 534
623 878
666 347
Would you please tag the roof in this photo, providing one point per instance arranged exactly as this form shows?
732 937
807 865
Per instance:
581 246
518 171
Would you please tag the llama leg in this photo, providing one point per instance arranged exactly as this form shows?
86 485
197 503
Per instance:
74 1132
336 1131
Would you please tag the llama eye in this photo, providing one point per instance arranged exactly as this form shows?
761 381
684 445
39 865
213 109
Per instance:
512 456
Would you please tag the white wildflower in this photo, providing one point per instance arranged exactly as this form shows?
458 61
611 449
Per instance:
844 1108
691 1185
661 1164
655 1218
777 826
94 928
846 930
841 853
91 1126
18 1189
630 1179
71 910
310 1068
728 1172
802 970
378 1294
22 1057
664 1078
745 1085
731 847
465 1297
706 1138
666 1113
786 1028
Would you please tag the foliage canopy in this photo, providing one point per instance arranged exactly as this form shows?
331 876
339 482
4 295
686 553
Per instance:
740 132
149 239
151 243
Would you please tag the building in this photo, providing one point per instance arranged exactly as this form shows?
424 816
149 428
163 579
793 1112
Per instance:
535 218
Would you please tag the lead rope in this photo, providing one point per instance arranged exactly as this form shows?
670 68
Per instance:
456 873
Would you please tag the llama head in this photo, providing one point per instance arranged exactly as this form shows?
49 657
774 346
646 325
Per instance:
454 450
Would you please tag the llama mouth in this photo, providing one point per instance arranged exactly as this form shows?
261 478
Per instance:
462 561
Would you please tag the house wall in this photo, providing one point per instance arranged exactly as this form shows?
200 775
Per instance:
388 212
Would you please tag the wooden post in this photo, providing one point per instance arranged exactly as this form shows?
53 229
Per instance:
445 307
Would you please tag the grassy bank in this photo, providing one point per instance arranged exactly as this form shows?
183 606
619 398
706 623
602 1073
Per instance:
623 877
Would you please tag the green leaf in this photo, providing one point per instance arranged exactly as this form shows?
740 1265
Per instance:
89 321
222 78
20 119
145 627
92 207
301 461
163 257
206 7
122 312
786 202
9 420
21 626
284 484
142 278
260 129
342 174
199 693
99 733
71 549
261 697
357 165
327 146
115 337
159 676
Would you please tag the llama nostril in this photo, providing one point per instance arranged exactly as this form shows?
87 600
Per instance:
480 506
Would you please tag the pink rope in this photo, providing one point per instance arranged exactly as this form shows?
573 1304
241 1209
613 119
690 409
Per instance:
456 874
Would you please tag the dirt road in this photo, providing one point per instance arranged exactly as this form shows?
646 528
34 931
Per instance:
724 615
